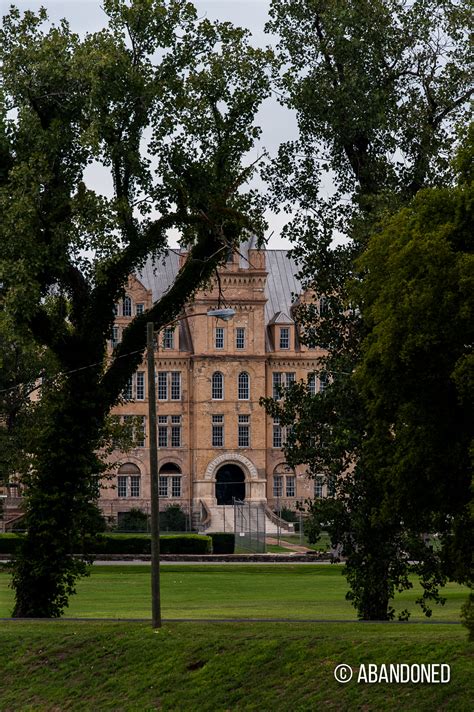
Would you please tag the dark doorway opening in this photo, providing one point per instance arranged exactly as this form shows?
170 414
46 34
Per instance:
230 484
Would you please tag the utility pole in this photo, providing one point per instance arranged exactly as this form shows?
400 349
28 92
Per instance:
155 492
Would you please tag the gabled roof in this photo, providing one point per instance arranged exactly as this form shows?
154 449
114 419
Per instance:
280 318
280 287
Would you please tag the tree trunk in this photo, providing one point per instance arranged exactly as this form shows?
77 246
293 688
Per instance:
59 497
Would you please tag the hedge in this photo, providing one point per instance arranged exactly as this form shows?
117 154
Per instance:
222 543
131 544
9 543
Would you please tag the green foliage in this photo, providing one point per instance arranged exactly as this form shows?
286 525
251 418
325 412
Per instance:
9 543
289 515
141 544
380 91
127 544
134 520
165 103
173 519
222 542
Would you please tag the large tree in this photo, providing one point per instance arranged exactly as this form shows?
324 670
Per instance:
164 104
379 90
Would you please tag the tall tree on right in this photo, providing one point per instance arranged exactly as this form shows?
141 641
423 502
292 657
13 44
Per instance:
380 90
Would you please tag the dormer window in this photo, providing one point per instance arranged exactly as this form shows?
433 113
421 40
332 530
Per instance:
168 338
284 337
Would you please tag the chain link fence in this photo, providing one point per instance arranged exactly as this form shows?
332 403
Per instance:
249 527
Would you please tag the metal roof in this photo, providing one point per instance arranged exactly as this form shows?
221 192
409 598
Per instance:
281 281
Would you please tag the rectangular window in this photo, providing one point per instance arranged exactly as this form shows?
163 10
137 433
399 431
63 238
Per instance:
217 431
312 384
318 486
219 337
240 337
290 485
331 486
290 379
141 385
162 419
115 336
141 432
121 486
244 431
323 381
134 485
277 383
162 436
176 436
277 485
168 338
162 385
175 385
277 434
176 486
139 309
284 337
163 486
176 419
128 390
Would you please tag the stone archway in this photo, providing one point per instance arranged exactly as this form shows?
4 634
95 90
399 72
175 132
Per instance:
230 483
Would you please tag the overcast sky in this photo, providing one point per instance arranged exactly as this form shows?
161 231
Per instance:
278 124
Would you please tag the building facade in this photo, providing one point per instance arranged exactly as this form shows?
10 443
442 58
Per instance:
215 441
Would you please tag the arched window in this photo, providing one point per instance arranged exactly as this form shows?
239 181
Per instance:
127 306
244 386
170 480
128 480
217 386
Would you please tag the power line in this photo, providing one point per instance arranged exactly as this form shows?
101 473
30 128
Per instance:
67 373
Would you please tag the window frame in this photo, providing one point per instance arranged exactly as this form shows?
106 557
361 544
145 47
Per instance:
284 338
217 386
127 306
219 338
243 386
240 340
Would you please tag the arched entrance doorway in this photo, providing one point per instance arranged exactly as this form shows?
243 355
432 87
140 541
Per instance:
230 484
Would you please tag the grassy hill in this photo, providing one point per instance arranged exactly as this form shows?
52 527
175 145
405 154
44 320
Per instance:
91 667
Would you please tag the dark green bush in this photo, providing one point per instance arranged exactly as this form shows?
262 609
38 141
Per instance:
141 544
130 544
9 543
222 543
289 515
133 521
173 519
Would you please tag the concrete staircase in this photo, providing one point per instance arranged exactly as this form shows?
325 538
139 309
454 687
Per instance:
221 519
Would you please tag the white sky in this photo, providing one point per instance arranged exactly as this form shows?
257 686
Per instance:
278 124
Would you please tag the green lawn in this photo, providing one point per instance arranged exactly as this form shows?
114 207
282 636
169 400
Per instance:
225 591
214 667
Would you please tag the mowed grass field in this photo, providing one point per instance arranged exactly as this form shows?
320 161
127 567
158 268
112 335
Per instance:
91 666
213 667
227 591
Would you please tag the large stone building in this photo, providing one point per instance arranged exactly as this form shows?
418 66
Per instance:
215 440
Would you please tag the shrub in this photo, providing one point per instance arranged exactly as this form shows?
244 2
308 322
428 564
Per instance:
288 515
133 521
173 519
139 544
222 543
9 543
